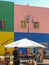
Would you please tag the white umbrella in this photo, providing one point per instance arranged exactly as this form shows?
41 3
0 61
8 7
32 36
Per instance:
38 44
24 43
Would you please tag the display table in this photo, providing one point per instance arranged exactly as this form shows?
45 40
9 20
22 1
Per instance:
42 63
2 63
31 62
28 62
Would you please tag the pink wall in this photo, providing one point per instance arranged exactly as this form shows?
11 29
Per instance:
39 14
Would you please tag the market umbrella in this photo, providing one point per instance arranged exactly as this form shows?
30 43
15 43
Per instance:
24 43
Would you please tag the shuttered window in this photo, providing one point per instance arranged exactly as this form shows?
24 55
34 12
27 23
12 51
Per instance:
23 24
2 24
36 24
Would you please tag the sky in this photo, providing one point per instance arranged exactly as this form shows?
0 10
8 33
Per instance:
39 3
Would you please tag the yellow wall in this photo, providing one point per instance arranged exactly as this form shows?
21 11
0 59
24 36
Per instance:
5 36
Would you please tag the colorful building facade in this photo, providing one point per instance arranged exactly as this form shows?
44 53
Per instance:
6 24
14 20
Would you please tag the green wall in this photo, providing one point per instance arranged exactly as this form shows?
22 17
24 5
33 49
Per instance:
7 14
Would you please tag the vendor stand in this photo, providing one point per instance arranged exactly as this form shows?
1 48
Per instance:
24 43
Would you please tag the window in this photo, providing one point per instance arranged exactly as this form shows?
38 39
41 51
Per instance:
36 24
2 24
23 24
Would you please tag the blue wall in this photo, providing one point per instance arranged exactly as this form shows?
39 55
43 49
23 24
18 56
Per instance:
38 37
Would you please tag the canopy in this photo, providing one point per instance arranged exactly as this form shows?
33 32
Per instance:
24 43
